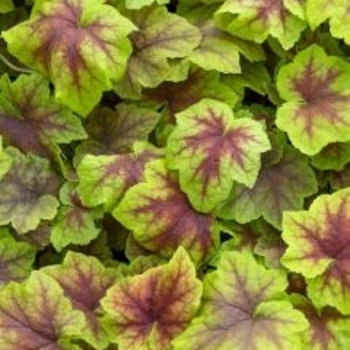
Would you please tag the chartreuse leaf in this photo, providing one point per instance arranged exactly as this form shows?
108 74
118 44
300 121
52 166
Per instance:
329 330
36 315
329 8
5 160
257 19
212 149
318 248
137 4
6 6
316 89
161 35
116 131
16 259
244 307
279 187
85 282
162 218
27 108
147 311
333 157
81 45
74 223
105 179
27 192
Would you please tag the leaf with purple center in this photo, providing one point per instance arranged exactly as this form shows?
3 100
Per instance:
28 192
36 315
257 19
149 310
27 108
81 45
85 282
318 248
243 307
316 89
212 149
75 223
162 218
105 179
279 187
161 36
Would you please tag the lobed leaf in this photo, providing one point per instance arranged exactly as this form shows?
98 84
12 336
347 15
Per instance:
212 149
149 310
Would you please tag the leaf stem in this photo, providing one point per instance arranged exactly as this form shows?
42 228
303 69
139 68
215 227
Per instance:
13 66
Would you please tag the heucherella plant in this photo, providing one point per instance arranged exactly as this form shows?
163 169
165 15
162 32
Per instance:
174 175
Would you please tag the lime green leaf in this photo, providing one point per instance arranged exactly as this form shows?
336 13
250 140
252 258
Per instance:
74 223
36 315
27 192
211 149
27 108
162 218
317 94
105 179
5 160
329 8
279 187
242 309
6 6
149 310
93 280
161 35
80 44
257 19
137 4
318 248
16 259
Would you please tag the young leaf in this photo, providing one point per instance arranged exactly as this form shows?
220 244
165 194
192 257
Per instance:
212 149
161 35
242 309
80 44
105 179
16 259
36 315
279 187
27 192
257 19
147 311
74 223
85 282
162 218
317 90
318 247
27 108
116 131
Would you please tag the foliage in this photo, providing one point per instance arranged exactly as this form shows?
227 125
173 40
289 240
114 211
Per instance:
174 175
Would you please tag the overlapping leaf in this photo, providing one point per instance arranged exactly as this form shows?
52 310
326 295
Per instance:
74 223
85 282
161 35
279 187
243 309
149 310
162 218
318 247
16 259
211 149
317 90
36 315
6 6
137 4
28 192
81 44
27 108
257 19
105 179
116 131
